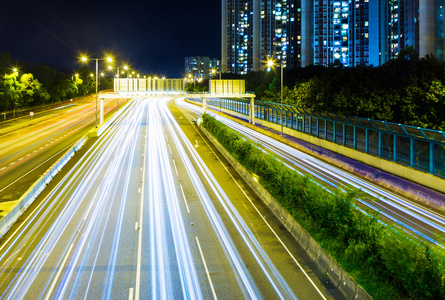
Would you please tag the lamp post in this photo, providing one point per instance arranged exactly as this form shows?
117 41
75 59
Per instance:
109 59
270 64
190 76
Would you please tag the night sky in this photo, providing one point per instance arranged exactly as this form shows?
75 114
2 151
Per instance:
152 36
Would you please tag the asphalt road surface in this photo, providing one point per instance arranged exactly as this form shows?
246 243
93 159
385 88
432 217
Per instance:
28 147
150 210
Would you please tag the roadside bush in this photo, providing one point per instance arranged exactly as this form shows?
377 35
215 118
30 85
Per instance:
369 250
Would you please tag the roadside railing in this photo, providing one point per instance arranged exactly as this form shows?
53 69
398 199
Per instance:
419 148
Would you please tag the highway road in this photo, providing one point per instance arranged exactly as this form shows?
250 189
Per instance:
151 211
412 217
29 147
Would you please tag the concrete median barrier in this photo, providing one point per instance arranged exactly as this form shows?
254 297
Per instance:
31 194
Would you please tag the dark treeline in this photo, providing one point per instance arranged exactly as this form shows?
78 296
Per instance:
25 85
406 90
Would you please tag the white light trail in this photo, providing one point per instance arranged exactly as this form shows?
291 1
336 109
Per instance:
320 169
276 280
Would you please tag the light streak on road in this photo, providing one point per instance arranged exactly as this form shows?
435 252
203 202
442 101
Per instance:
112 230
411 216
162 186
279 284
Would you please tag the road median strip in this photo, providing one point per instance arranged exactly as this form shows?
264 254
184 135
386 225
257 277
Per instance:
384 259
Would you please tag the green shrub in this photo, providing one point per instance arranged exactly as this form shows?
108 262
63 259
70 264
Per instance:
367 249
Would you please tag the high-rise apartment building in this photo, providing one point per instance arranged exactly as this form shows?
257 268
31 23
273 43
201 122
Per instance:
201 66
347 32
395 32
255 30
237 36
344 32
280 31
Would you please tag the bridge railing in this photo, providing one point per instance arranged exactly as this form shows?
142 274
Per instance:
419 148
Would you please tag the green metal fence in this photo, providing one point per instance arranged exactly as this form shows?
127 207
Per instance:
419 148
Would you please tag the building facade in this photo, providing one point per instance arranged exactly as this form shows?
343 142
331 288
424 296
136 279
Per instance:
424 26
280 31
325 32
255 30
237 36
347 32
200 67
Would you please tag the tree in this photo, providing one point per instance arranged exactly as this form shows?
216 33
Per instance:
12 91
28 87
19 93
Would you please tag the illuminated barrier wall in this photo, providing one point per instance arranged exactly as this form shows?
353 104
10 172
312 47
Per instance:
227 87
418 148
148 85
142 85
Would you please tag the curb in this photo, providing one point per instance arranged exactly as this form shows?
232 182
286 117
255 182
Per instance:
324 262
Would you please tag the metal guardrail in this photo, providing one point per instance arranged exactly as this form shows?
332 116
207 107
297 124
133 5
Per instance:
420 148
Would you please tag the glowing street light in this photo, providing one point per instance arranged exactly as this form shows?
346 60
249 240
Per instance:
108 59
214 71
270 64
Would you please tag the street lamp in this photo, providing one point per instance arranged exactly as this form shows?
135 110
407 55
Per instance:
214 71
270 64
85 59
190 76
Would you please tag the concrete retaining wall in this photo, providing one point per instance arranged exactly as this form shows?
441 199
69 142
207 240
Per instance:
325 263
408 173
